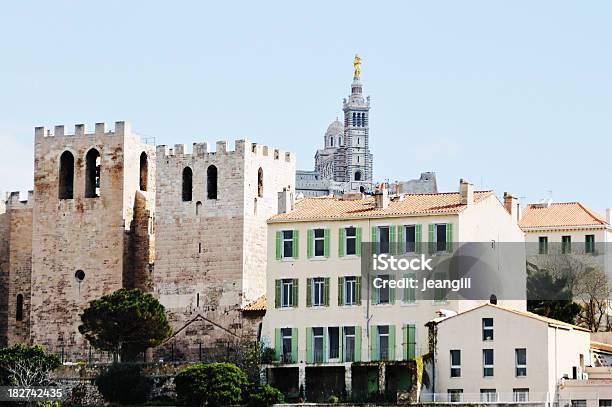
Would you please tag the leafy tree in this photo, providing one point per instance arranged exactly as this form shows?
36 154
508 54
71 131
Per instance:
124 384
550 296
125 323
211 384
256 395
26 366
592 289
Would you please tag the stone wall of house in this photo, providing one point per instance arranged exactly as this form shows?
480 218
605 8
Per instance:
80 234
4 272
211 252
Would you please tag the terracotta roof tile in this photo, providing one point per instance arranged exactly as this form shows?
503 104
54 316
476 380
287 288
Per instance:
559 214
257 305
330 208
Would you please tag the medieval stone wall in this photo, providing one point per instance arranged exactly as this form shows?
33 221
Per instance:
4 272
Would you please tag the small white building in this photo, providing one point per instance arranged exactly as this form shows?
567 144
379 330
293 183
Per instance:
502 355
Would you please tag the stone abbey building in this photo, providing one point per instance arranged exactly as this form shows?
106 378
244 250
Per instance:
110 211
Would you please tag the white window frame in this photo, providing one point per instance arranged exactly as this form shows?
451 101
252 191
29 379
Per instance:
379 337
350 281
287 297
454 366
346 338
486 329
520 395
287 240
488 366
405 242
485 395
318 283
520 366
436 237
346 239
329 348
386 277
314 342
314 242
452 393
379 235
283 338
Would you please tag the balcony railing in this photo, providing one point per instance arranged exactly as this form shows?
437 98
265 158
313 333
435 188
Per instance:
531 398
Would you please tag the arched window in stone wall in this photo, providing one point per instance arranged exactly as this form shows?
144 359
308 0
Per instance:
331 141
198 207
66 176
144 171
358 176
19 308
187 184
92 174
260 183
211 182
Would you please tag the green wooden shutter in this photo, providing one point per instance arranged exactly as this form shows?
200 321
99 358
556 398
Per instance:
374 343
374 239
278 346
418 238
325 345
309 244
341 343
401 242
296 244
439 293
393 239
449 237
294 345
411 341
341 238
309 292
404 342
309 352
392 293
326 245
431 241
340 291
357 343
295 292
326 292
358 242
358 290
391 342
279 245
277 293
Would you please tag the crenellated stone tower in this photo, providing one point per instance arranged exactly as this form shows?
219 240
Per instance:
94 196
211 248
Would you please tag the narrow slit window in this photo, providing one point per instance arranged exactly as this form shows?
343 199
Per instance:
66 176
144 171
211 182
187 184
92 174
19 308
260 183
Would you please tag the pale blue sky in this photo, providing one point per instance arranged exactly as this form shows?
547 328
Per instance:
512 95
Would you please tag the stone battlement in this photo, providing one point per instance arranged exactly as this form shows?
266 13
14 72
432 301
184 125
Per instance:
241 147
14 201
121 128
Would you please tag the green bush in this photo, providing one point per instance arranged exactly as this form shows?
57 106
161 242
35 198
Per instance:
256 395
124 384
26 365
333 399
211 384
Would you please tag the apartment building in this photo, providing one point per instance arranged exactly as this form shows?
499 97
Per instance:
494 354
331 334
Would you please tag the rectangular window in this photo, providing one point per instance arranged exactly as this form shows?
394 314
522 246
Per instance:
520 395
319 242
521 361
441 238
287 244
579 403
566 244
488 395
384 240
589 243
333 334
350 290
286 340
383 342
487 362
351 241
318 344
440 292
384 292
287 293
487 329
455 363
543 245
455 395
410 239
349 343
605 403
318 292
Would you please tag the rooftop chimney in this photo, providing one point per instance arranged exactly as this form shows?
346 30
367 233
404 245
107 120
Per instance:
381 196
285 200
512 206
467 192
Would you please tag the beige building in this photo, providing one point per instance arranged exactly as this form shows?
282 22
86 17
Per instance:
327 335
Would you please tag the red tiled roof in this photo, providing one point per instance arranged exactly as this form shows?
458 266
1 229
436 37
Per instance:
330 208
559 214
257 305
